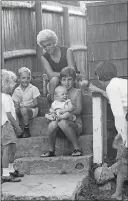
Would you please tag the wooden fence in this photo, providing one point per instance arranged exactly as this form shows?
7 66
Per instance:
107 34
22 21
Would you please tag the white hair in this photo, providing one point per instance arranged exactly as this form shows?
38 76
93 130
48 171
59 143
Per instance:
8 81
45 35
24 69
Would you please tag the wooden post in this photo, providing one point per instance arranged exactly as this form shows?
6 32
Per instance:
2 40
66 26
99 128
38 15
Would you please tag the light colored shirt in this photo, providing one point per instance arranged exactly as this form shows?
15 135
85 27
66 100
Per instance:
117 94
4 115
8 104
60 105
26 97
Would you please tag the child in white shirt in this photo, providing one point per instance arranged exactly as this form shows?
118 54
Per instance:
25 98
10 128
117 94
61 107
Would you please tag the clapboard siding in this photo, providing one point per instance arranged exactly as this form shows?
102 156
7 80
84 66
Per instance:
107 35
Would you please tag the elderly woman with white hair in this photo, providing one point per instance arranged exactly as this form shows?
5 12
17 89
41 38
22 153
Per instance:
54 59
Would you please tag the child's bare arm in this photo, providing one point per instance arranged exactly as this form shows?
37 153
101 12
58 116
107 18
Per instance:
14 122
69 108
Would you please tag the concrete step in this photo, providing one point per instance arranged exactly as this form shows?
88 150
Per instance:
45 187
35 146
54 165
38 126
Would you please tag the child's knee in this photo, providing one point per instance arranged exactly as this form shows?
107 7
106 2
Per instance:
23 111
52 125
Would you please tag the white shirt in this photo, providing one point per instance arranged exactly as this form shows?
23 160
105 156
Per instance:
117 94
27 96
4 115
8 104
60 105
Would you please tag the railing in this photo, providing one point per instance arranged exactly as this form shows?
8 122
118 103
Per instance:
99 113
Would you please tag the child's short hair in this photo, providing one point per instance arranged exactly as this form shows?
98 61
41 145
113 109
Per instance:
8 80
24 69
106 71
68 72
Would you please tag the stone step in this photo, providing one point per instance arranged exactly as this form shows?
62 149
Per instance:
38 126
45 187
35 146
54 165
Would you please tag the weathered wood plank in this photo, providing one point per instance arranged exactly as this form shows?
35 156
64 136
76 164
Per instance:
107 50
107 13
14 4
18 53
38 18
66 26
107 32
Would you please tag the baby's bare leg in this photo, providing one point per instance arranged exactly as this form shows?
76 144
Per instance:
67 115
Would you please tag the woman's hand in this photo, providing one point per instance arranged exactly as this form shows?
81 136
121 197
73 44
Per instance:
93 88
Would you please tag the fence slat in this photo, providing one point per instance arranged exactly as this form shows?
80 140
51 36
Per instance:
11 4
66 26
18 53
38 15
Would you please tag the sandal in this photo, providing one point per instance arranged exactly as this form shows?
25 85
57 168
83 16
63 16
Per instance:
77 152
48 154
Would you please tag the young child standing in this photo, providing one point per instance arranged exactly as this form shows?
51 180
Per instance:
117 93
9 128
62 107
25 98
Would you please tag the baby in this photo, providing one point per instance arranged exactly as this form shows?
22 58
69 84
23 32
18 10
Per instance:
62 107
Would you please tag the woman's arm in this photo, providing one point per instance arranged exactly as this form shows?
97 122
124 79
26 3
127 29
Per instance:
78 108
93 88
71 58
48 68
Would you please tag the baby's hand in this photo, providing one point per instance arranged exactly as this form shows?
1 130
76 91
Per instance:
62 111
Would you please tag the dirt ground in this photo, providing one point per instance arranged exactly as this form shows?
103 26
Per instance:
93 192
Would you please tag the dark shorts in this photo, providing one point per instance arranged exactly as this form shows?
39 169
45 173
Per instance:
8 134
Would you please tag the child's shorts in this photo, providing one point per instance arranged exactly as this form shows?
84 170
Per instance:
122 157
8 134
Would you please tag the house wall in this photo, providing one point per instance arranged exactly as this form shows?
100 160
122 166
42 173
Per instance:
107 35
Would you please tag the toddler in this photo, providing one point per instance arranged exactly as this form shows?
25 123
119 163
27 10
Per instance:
61 107
25 98
9 129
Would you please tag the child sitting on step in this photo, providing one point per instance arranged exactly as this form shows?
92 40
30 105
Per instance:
62 106
71 129
25 98
9 129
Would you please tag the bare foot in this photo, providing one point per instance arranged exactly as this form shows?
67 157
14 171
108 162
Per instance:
116 196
